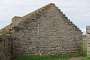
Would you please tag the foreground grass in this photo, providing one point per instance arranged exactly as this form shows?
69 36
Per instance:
86 58
35 57
52 57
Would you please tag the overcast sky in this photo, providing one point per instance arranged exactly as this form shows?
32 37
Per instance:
77 11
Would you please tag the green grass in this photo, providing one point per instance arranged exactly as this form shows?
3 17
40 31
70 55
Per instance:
86 58
49 57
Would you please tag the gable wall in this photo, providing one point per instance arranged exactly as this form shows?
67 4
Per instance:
49 34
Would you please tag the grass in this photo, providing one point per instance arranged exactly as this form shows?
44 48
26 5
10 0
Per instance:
86 58
37 57
65 56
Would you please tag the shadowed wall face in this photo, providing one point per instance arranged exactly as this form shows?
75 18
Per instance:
5 48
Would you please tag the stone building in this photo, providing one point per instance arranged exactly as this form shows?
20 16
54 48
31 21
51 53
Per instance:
88 40
5 47
44 31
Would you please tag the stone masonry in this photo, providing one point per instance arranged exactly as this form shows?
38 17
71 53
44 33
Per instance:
45 31
5 47
88 40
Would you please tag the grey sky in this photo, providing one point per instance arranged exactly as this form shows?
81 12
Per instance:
77 11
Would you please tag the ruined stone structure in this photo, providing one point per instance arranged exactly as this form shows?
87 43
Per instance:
5 47
45 31
88 40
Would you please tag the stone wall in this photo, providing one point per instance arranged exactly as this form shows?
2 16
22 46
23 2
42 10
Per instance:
46 31
5 47
88 40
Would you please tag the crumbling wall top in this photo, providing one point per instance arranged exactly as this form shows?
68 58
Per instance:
40 12
88 29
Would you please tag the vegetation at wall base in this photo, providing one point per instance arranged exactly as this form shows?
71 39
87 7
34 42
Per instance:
65 56
86 58
43 57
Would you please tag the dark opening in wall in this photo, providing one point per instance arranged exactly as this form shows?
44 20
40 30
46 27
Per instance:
16 28
0 39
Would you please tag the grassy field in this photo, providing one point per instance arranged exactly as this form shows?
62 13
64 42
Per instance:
49 58
35 57
86 58
63 57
